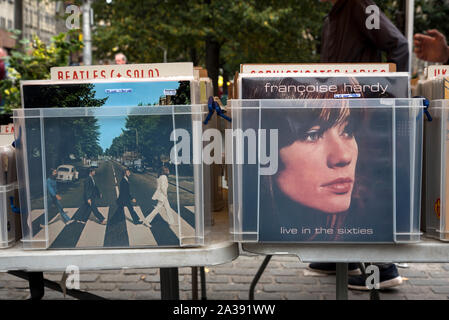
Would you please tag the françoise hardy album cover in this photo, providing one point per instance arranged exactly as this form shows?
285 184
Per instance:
335 163
107 181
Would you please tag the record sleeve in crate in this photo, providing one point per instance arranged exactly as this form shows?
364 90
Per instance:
435 209
383 155
105 176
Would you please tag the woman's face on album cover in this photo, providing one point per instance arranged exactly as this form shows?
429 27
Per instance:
319 168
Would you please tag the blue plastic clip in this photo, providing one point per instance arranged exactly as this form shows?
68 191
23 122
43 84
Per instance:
16 143
426 110
13 207
426 104
213 106
210 105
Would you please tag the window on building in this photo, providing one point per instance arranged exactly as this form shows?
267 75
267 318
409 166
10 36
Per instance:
9 24
2 23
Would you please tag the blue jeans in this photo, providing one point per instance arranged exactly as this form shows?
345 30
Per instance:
60 208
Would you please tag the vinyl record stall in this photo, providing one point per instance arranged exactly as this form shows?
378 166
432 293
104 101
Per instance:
326 165
109 176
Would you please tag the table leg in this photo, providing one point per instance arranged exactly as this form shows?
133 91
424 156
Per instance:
37 291
169 283
203 283
36 281
258 275
194 283
342 281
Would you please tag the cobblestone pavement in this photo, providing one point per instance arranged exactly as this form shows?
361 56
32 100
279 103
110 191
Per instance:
284 278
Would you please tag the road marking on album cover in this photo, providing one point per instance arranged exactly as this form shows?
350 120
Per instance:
35 214
138 235
93 233
55 226
139 213
117 191
186 229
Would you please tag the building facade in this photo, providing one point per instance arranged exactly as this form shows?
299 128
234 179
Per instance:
39 17
6 23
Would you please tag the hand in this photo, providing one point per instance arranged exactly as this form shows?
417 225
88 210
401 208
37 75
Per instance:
134 200
89 202
431 47
58 197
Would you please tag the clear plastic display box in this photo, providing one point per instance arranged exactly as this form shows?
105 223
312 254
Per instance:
9 202
437 157
121 177
331 171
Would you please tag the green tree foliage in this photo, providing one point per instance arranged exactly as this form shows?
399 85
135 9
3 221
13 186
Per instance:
432 14
182 95
246 31
78 137
62 96
67 136
142 133
149 145
429 14
34 63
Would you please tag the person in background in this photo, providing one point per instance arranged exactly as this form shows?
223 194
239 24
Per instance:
431 47
120 58
3 54
346 38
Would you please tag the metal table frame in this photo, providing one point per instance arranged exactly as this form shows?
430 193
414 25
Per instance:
426 251
31 264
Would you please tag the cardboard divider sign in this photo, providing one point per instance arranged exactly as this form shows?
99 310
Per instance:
7 129
318 68
436 71
123 71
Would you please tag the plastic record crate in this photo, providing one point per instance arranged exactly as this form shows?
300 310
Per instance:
436 174
8 215
79 170
330 171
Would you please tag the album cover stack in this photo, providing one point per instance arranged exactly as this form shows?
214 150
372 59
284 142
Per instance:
9 197
326 157
111 160
435 181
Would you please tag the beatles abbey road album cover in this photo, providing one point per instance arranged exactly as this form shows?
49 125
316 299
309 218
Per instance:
108 180
335 161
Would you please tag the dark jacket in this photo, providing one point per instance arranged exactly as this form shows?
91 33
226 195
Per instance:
2 76
125 194
91 190
2 69
346 38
